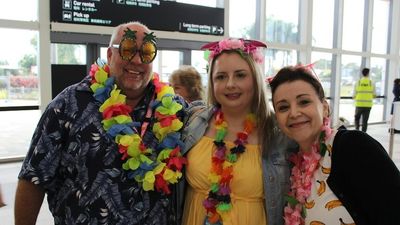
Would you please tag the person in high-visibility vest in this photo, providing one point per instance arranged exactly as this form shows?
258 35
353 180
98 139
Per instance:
364 93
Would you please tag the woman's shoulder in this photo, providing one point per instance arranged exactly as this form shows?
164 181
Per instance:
354 136
354 143
198 109
280 144
195 107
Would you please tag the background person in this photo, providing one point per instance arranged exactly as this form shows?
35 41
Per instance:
186 82
396 92
364 93
237 171
2 203
99 150
338 176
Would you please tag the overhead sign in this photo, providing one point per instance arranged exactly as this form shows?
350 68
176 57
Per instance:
156 14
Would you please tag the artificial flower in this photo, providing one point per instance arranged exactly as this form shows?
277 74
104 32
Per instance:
140 161
305 164
218 202
242 46
115 110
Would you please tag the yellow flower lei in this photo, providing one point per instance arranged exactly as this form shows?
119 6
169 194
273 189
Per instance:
143 165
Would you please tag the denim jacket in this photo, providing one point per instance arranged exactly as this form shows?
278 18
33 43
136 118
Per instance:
274 165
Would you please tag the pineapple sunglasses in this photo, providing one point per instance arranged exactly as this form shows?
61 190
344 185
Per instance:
128 47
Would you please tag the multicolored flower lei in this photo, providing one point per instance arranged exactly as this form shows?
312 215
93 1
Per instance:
218 202
148 169
305 164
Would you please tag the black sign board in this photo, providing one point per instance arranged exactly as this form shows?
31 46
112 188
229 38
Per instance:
156 14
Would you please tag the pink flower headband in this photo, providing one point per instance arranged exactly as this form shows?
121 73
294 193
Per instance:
249 47
308 67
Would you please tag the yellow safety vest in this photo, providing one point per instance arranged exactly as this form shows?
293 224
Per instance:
364 93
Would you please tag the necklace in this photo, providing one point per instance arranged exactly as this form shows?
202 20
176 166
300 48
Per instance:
218 203
144 165
305 164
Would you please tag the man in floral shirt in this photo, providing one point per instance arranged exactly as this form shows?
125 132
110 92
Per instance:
103 153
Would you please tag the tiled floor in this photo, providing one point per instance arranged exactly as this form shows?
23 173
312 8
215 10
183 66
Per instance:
9 173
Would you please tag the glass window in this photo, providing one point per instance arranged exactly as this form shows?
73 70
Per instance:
353 22
323 69
242 25
347 110
157 68
380 26
322 29
25 10
350 74
282 21
166 62
200 63
16 131
103 53
378 75
19 82
72 54
276 59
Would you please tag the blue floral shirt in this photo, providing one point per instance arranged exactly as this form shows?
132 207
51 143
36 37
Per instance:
80 168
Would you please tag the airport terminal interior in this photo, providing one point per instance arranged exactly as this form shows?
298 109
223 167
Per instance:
48 45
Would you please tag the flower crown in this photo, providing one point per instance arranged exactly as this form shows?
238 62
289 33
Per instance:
309 68
248 47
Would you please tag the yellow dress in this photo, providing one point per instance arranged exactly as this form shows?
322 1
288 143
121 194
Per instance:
247 191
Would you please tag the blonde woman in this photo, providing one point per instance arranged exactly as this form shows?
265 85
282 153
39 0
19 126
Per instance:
237 171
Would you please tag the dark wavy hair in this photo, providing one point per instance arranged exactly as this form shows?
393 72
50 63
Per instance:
365 72
293 73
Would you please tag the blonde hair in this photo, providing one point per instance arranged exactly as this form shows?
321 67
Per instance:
190 78
259 105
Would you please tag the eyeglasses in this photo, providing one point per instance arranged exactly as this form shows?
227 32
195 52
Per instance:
128 49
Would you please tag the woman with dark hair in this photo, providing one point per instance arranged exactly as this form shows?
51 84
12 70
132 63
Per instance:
338 176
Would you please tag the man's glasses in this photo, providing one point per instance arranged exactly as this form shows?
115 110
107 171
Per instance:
128 48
